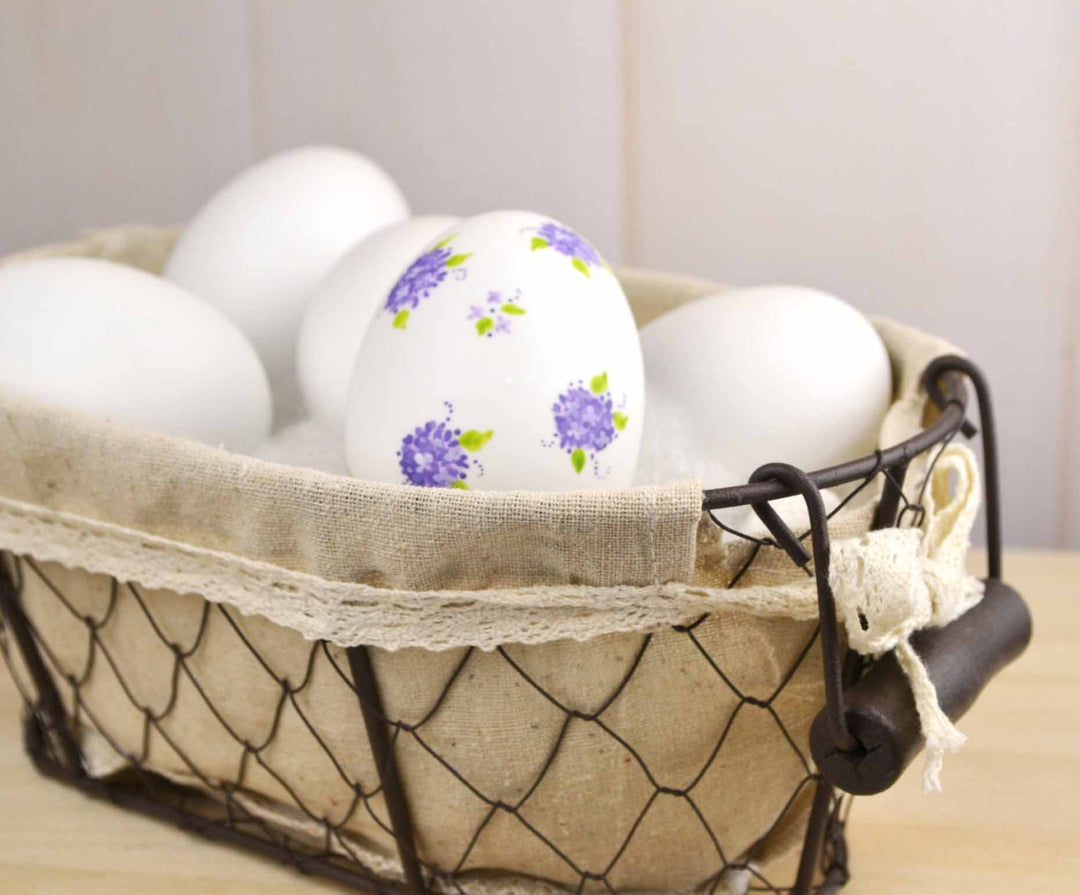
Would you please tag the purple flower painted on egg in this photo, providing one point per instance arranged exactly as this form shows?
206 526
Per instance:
583 420
423 275
566 242
432 456
586 421
436 455
494 316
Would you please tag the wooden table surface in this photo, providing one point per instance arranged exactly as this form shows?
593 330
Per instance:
1007 822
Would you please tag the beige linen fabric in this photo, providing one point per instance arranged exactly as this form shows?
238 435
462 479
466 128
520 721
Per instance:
70 469
493 728
340 528
560 590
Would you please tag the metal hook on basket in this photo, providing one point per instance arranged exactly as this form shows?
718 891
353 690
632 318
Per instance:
801 483
953 363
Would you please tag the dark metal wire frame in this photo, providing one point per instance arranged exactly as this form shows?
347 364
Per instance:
777 480
56 753
771 482
953 400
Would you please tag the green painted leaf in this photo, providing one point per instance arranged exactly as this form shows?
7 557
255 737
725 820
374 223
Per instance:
459 484
400 319
620 420
455 260
474 439
582 266
483 325
538 243
599 384
512 309
442 244
578 459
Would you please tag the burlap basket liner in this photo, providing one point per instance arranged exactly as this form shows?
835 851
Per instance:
507 594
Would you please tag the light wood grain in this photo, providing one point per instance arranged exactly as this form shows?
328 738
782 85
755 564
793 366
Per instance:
1008 819
1006 823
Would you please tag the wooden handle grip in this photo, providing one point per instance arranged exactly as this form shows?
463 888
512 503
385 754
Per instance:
960 658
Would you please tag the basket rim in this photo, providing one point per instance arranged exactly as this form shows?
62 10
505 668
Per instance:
944 427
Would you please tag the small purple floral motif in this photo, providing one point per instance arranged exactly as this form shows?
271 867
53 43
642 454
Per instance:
495 314
583 420
566 242
586 421
423 275
436 455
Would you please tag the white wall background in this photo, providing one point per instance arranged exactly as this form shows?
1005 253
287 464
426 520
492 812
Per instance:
918 158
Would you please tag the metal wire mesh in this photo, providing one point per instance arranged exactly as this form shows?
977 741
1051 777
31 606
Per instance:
219 803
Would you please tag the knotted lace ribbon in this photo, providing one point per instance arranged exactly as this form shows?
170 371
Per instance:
890 583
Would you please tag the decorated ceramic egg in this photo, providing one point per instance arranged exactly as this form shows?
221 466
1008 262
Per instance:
505 357
341 306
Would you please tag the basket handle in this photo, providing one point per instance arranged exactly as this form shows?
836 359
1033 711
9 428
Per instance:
960 658
880 712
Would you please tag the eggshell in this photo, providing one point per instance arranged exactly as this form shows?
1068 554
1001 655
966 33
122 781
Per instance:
505 357
261 244
113 341
342 305
775 373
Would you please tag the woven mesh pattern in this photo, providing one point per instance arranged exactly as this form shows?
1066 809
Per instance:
331 815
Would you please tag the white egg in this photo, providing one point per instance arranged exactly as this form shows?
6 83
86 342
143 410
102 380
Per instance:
113 341
775 373
505 357
342 305
261 244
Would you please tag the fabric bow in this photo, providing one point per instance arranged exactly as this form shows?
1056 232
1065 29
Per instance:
892 582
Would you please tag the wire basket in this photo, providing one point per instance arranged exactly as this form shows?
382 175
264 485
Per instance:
69 640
